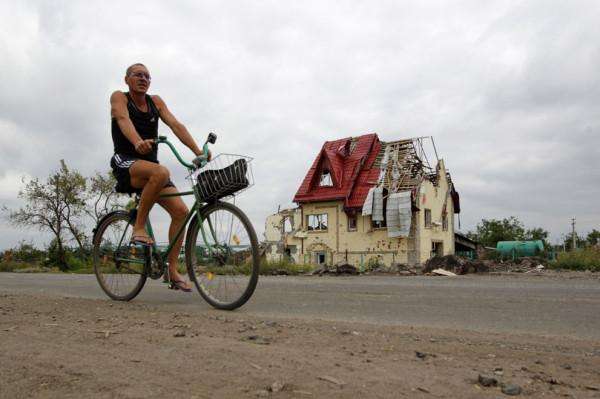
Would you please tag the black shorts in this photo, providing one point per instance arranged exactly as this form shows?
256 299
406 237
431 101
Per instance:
120 165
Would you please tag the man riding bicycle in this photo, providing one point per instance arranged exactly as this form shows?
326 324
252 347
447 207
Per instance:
135 163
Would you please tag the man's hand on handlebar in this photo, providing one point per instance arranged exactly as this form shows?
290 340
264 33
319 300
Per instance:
144 146
200 159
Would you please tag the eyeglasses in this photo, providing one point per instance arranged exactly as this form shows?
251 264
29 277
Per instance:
140 75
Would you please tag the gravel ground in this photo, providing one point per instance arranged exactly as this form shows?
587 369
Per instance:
71 347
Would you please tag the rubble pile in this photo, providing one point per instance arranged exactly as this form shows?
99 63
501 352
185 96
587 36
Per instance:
441 265
456 265
460 265
522 265
339 269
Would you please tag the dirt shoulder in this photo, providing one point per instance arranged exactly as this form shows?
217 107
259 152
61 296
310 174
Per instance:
69 347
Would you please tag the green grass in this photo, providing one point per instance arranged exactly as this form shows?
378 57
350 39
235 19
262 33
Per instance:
581 259
284 267
86 267
25 267
266 269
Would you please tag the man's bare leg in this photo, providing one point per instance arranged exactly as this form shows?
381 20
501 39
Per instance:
152 177
178 211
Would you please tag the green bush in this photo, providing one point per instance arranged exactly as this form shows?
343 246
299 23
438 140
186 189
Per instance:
12 266
76 263
24 252
374 264
581 259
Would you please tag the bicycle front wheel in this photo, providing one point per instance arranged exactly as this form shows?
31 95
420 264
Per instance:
222 255
119 269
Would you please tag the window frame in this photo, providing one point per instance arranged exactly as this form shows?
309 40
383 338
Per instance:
382 224
319 219
326 175
427 218
355 218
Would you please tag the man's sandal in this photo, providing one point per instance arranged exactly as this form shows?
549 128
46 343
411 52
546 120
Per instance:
141 240
179 285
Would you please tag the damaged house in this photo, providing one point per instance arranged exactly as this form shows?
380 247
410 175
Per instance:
366 202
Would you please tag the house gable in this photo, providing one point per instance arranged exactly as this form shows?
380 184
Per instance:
350 162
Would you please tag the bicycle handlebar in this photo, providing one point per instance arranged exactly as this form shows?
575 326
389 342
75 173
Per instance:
201 160
197 162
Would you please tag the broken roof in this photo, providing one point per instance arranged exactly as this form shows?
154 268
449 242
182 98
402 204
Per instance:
355 164
347 160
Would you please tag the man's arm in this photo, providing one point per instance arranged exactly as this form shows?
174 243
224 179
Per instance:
177 127
118 110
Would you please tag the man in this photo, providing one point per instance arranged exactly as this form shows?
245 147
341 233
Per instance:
135 165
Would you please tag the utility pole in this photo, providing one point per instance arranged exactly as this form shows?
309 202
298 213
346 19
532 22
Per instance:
573 236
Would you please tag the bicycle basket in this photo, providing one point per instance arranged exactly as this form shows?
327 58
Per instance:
224 176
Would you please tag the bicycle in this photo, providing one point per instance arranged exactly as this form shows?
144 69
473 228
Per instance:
220 248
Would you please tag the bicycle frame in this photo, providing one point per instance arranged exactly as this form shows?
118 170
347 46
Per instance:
194 209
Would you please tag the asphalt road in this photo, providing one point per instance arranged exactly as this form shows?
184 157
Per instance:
506 304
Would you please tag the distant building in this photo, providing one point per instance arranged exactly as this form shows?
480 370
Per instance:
363 202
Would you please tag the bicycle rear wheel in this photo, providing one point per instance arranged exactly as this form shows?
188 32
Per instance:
222 255
115 266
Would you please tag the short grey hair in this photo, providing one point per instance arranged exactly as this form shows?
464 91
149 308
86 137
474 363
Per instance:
128 71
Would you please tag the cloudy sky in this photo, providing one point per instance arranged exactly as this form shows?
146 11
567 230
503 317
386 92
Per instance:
509 89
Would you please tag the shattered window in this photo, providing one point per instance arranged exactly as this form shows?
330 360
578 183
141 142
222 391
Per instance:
380 209
287 225
428 218
326 179
317 222
352 223
378 224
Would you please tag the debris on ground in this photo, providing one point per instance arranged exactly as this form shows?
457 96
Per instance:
486 381
442 272
257 339
276 386
338 269
423 355
532 264
459 265
449 265
455 264
331 380
405 270
511 389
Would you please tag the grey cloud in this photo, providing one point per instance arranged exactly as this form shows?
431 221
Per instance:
508 89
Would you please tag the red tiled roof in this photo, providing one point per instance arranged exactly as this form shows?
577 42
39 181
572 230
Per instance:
352 174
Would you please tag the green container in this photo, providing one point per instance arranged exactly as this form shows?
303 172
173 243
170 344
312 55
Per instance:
517 249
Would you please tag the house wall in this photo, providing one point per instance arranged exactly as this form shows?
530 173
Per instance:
433 197
366 244
358 247
277 240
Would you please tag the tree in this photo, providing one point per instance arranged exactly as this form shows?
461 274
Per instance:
102 197
538 233
593 237
74 187
489 232
53 205
568 243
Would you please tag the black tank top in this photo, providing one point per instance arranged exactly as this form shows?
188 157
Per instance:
146 124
